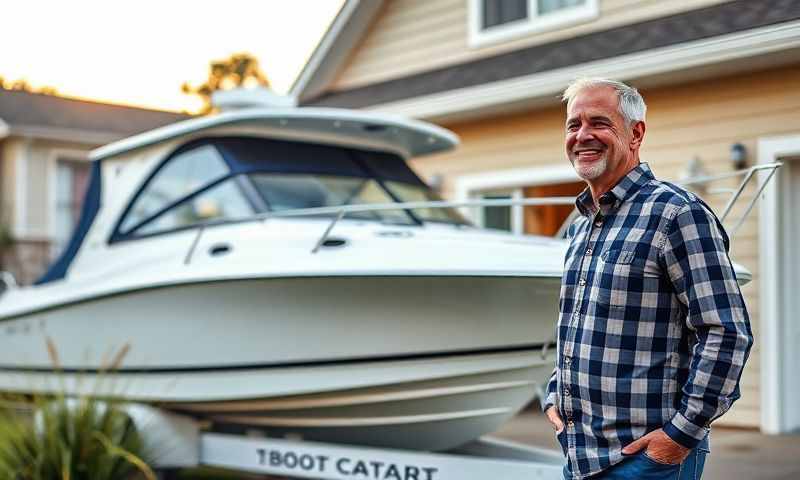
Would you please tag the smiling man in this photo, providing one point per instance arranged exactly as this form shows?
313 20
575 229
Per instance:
653 332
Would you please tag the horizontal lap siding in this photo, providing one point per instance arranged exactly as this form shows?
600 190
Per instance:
696 120
412 36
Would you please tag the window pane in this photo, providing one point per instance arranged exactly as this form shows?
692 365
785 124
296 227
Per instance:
497 217
219 202
287 191
184 174
498 12
71 183
549 6
413 193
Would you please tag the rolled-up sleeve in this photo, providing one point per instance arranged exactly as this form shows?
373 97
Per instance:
699 268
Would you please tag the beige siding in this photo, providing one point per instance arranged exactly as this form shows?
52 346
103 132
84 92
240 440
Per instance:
701 119
7 187
411 36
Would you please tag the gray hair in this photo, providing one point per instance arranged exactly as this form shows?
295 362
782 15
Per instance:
631 104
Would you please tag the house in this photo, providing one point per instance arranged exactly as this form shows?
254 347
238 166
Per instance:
44 146
722 83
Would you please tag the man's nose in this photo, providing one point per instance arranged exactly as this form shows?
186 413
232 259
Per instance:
583 134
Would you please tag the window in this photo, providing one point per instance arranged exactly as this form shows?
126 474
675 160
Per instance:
507 218
540 220
233 178
185 173
72 179
222 201
500 12
493 21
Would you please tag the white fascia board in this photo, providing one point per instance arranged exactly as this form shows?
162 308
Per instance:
548 85
64 134
334 47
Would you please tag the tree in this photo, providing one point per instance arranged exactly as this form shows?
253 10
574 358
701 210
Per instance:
238 70
23 85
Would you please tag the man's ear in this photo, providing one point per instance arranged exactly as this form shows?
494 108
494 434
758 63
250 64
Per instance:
637 137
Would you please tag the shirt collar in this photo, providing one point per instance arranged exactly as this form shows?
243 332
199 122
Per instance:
611 200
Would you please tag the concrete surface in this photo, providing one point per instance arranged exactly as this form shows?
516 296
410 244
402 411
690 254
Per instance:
735 453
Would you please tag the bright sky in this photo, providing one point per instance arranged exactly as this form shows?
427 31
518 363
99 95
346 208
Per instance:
140 52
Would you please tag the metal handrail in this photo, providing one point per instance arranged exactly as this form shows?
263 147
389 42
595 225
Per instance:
340 211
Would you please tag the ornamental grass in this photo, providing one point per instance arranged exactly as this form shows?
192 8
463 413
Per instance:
61 437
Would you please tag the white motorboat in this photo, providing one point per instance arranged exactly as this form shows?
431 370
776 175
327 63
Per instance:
207 249
403 328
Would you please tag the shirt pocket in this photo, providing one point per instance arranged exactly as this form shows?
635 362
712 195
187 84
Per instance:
620 279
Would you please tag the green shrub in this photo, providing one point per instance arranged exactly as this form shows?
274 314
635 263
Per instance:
69 438
80 439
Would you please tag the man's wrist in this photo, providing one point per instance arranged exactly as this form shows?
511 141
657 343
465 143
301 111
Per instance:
684 432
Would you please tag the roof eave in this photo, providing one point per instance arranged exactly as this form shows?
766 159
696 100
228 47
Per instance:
774 45
333 49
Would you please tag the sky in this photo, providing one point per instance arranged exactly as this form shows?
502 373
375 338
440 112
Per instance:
140 52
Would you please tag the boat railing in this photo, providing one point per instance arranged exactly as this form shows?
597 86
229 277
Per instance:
338 212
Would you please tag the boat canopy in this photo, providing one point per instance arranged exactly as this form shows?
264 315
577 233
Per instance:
242 176
409 138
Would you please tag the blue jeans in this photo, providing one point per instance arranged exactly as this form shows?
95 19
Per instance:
641 467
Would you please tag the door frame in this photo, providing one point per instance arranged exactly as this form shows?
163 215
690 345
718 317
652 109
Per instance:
776 299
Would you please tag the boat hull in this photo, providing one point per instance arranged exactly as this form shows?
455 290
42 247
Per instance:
453 364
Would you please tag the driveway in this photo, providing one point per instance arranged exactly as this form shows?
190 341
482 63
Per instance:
735 453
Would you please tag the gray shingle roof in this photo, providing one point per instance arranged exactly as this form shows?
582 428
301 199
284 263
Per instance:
21 110
693 25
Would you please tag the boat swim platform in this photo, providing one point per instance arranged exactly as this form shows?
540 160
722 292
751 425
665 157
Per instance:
179 443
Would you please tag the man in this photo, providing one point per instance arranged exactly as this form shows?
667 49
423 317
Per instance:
653 332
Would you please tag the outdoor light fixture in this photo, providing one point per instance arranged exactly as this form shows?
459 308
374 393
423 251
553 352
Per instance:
738 156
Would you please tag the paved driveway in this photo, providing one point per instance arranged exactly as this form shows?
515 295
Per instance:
735 454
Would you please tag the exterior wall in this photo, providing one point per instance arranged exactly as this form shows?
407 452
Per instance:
694 120
412 36
28 174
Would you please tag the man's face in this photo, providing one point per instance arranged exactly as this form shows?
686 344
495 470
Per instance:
598 140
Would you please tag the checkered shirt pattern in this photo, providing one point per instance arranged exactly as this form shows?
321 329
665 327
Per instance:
653 331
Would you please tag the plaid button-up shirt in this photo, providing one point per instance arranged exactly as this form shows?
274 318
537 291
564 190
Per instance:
653 331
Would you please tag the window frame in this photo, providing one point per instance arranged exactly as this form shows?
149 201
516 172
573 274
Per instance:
535 23
117 235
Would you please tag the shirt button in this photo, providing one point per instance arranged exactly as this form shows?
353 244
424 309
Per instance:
567 360
566 392
570 423
582 282
588 251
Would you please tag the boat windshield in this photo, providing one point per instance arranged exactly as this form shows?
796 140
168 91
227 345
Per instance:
297 191
235 178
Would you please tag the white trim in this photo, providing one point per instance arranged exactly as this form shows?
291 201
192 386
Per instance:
321 52
545 86
64 134
535 23
773 290
21 189
4 131
467 186
512 178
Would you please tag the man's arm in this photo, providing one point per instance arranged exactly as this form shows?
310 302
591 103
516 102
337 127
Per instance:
550 393
698 266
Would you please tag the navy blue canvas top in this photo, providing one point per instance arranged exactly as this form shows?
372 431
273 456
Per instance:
91 205
246 155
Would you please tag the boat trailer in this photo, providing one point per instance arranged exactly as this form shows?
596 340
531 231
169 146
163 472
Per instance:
177 442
